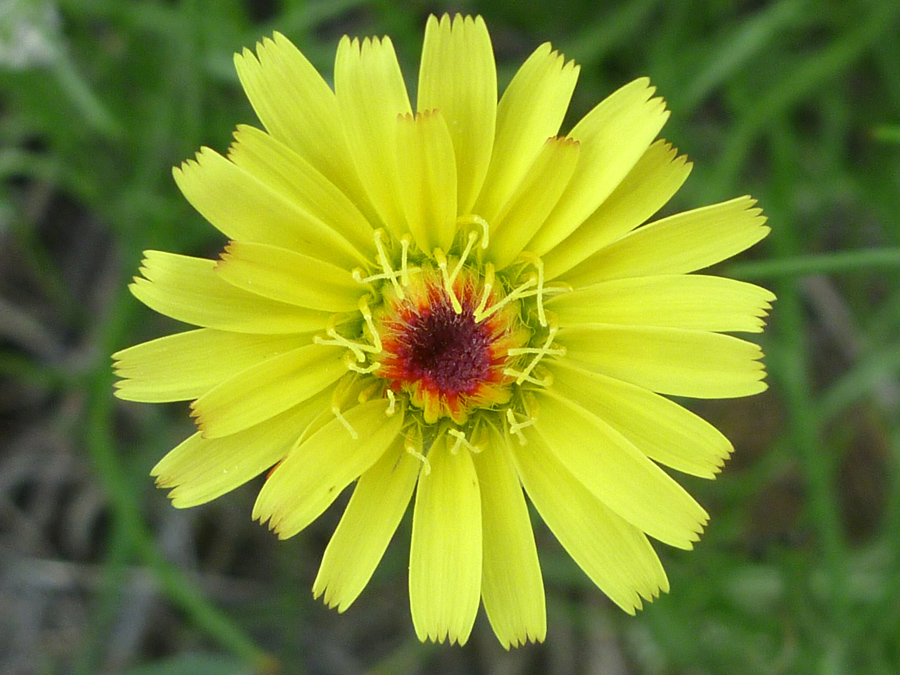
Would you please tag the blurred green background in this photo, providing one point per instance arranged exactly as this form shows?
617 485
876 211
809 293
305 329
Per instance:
796 102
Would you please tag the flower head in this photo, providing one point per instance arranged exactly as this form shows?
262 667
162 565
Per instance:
456 304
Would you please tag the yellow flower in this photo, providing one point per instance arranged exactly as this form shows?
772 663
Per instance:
456 303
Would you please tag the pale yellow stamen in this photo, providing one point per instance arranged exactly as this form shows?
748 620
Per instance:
450 277
472 219
465 254
392 403
546 349
337 399
448 284
359 276
359 349
385 263
387 271
486 292
350 362
367 370
517 293
412 446
539 291
515 427
543 380
343 420
555 289
461 441
370 322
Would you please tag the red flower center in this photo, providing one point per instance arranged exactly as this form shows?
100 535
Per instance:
447 361
447 351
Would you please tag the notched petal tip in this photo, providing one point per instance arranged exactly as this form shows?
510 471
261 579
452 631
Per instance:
523 637
118 393
716 469
441 636
326 592
200 420
282 534
664 113
644 81
678 162
361 48
330 598
245 58
564 140
346 42
269 44
226 256
717 464
264 514
158 472
188 168
117 356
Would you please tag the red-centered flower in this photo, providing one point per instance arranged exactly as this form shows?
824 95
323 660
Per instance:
457 304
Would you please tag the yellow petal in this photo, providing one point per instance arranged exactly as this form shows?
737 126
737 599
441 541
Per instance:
613 553
617 473
243 208
530 112
613 137
458 77
373 514
299 109
267 389
650 184
658 427
535 197
286 276
445 554
189 290
371 93
186 365
315 472
427 176
512 587
672 361
688 301
679 244
201 469
274 164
